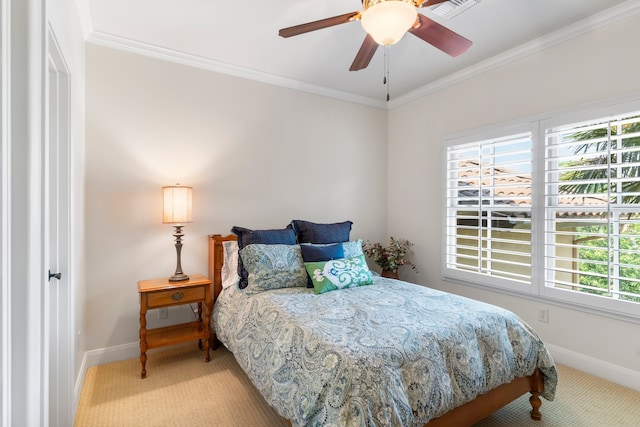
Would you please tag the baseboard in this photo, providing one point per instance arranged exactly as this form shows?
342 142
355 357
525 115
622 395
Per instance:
79 383
596 367
77 390
112 354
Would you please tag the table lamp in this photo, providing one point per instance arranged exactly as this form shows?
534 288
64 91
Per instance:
177 211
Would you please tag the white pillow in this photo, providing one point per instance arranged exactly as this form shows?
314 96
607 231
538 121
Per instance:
230 275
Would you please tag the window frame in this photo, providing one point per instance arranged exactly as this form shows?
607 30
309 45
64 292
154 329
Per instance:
537 288
472 277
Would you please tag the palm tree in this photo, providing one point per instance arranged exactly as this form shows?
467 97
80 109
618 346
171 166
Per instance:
593 179
590 176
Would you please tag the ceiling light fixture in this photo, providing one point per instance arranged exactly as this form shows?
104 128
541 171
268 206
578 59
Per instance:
387 21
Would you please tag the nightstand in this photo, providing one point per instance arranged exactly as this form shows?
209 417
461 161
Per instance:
159 293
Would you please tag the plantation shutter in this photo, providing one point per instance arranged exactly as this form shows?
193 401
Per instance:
488 207
592 205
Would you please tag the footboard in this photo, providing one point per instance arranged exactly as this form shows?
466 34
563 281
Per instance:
486 404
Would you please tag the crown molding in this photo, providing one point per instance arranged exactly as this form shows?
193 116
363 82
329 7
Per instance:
585 26
158 52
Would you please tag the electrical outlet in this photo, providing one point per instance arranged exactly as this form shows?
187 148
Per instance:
163 313
543 315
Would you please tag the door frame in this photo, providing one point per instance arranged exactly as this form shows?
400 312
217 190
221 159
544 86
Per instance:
21 224
5 306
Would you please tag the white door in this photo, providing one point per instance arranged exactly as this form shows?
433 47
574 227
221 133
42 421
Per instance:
57 186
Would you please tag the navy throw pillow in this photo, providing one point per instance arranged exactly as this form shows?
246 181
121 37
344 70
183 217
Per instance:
311 232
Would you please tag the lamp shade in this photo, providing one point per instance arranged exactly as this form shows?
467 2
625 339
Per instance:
388 20
177 204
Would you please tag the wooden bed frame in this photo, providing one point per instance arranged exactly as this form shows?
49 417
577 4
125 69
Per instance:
465 415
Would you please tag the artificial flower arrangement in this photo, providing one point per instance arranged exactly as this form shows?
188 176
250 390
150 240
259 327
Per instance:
390 257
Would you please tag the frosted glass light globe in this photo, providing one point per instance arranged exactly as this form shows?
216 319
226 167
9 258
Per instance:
388 21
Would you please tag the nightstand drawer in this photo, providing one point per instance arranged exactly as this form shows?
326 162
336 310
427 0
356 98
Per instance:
175 296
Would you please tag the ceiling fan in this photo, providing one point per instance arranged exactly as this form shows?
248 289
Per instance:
386 22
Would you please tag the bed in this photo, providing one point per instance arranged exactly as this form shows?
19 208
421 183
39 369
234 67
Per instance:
356 357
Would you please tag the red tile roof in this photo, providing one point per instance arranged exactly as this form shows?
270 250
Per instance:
514 188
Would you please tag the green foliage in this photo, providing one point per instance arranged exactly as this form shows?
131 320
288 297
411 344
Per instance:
389 257
593 180
594 264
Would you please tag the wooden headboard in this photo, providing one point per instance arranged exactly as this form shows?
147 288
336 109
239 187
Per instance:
216 259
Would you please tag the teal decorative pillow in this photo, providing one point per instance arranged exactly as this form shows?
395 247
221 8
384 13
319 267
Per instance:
273 267
339 274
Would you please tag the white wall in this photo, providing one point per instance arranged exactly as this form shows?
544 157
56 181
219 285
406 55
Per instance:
256 155
593 67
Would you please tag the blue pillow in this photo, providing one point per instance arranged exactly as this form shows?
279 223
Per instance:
247 237
310 232
314 253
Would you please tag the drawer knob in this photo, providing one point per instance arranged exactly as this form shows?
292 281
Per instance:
177 296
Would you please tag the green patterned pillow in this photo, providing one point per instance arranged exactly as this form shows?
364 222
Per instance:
273 267
339 274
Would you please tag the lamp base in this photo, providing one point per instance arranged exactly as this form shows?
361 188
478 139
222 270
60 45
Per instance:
178 278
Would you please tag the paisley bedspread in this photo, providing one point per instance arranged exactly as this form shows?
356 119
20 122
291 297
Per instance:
388 354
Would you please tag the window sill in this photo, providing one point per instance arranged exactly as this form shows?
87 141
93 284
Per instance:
555 297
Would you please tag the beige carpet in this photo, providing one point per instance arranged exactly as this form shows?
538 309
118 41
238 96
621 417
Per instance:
182 390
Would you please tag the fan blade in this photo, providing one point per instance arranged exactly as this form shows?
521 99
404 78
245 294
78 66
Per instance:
318 25
366 52
439 36
428 3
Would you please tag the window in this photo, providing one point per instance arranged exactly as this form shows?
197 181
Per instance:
592 208
553 210
489 207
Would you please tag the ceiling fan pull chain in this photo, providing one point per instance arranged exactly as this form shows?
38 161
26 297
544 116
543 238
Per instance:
386 70
386 65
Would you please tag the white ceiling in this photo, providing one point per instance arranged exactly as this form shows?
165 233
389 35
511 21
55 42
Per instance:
242 38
